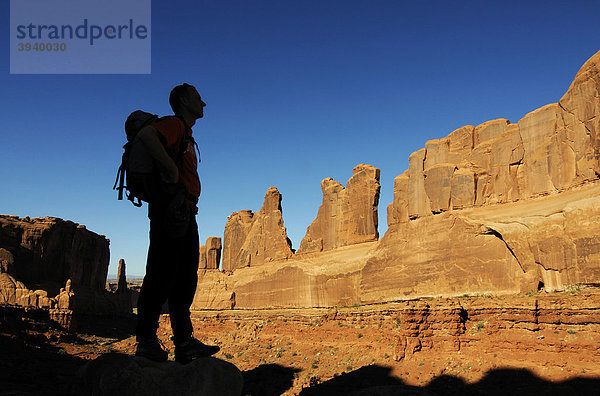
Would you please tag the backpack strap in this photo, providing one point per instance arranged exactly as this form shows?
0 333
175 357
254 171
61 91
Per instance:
121 175
185 140
119 180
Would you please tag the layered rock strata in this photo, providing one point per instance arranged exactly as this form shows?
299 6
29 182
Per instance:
49 250
549 150
348 215
498 208
532 330
252 239
56 257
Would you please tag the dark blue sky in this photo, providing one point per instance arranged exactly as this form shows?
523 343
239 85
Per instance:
296 91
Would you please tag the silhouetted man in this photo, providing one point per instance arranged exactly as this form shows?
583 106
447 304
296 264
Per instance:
171 268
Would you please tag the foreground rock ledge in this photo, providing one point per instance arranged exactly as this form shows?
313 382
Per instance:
118 374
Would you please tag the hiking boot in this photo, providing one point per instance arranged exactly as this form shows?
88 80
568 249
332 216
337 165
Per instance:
151 348
193 349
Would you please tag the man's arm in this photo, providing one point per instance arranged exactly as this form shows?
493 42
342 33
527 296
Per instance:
149 136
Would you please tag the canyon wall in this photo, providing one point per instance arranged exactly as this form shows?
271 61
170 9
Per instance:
497 208
49 251
45 257
551 149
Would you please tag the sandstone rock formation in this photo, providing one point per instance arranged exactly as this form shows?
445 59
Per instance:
252 239
49 251
6 261
551 149
496 208
54 257
117 374
212 291
210 254
348 215
15 293
121 277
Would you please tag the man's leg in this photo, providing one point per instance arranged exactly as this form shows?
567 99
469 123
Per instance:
159 279
185 282
187 348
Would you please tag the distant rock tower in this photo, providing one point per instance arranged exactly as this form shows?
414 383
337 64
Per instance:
348 215
121 277
252 239
210 254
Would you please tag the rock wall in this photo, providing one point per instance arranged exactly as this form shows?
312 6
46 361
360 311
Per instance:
47 251
256 238
551 149
347 215
499 208
43 257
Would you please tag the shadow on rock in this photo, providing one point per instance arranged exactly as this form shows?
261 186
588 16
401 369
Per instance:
117 326
377 380
29 364
268 379
118 374
518 382
367 380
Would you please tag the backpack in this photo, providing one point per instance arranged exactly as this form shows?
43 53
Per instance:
138 177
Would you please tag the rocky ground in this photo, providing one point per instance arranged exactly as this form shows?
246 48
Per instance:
545 343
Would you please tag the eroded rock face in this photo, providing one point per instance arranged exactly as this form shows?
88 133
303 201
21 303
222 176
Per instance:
213 252
348 215
212 291
54 257
210 254
582 108
549 242
256 238
496 208
15 293
551 149
51 250
6 261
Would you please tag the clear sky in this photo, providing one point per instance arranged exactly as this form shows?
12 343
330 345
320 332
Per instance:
296 91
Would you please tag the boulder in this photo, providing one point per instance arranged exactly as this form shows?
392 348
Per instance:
118 374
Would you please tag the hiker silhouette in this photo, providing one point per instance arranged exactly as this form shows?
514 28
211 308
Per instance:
172 264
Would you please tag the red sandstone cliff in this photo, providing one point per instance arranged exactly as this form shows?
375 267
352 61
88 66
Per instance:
496 208
45 257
